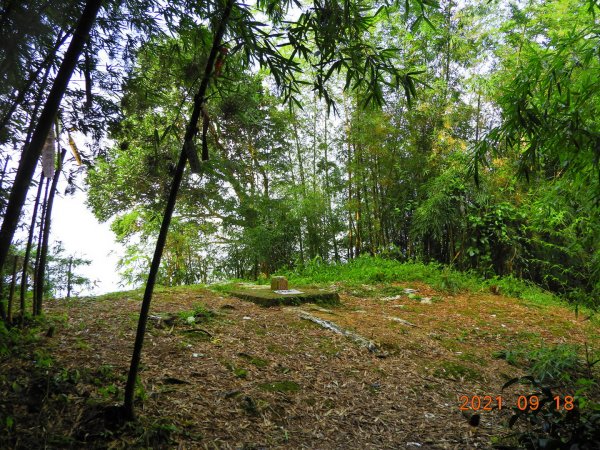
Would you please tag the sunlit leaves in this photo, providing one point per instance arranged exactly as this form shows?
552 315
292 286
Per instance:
551 97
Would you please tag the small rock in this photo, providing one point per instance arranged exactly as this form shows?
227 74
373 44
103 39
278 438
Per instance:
197 355
247 318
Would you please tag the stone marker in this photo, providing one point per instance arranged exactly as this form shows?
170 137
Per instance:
279 284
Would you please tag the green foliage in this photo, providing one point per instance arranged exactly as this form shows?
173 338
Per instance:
379 270
42 359
280 386
564 411
200 313
554 363
453 370
557 420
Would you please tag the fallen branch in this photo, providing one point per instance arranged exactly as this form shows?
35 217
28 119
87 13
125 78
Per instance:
197 330
360 340
402 321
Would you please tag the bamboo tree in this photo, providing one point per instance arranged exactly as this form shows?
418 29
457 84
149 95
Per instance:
38 250
46 235
69 277
191 132
2 305
32 152
11 293
29 245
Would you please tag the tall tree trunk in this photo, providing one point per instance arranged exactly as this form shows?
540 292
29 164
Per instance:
2 175
38 250
2 306
31 153
11 293
191 131
47 223
477 117
35 206
336 256
29 245
302 183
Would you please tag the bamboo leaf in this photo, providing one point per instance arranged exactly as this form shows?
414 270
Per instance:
73 148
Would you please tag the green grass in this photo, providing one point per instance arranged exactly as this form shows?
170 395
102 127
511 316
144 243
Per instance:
356 275
373 270
280 386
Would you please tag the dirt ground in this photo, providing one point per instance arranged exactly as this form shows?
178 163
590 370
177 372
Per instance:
241 376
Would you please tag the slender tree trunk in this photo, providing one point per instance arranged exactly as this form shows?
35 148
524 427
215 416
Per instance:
295 193
302 183
4 168
38 251
29 245
11 293
31 153
336 256
2 306
477 118
69 277
47 223
2 175
191 131
314 149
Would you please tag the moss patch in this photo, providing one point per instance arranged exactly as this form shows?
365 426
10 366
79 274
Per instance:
268 298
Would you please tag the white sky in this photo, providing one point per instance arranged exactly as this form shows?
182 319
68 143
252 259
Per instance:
83 236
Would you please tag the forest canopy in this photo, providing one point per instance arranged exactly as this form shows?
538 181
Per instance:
491 167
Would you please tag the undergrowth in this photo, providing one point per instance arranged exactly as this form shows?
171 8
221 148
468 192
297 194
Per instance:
562 410
374 270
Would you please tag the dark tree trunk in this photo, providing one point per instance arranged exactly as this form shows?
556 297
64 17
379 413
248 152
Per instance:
11 293
29 245
191 131
2 175
38 251
2 306
31 153
47 222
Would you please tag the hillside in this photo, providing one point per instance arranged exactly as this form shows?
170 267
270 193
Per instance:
242 376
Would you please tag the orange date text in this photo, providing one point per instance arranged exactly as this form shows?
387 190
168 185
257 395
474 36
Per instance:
523 402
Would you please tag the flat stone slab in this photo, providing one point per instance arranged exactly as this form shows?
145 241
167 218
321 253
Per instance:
291 297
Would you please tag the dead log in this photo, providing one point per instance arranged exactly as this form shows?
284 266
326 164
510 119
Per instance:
402 321
357 338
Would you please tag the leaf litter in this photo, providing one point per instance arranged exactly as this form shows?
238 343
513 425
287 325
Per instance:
277 381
